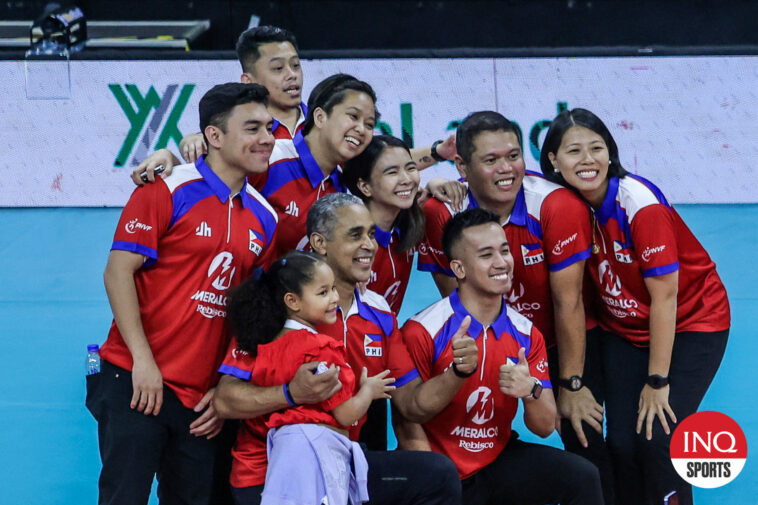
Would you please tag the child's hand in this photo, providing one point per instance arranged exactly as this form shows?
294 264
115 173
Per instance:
379 385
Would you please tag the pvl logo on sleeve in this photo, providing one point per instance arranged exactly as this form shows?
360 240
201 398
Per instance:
708 449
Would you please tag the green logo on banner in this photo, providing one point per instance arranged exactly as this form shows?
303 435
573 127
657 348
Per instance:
137 111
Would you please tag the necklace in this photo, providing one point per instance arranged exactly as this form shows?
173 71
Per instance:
595 247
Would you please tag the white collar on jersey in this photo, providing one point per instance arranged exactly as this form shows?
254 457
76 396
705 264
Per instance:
291 324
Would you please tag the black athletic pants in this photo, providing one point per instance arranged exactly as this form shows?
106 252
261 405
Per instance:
533 474
396 478
135 447
594 378
643 467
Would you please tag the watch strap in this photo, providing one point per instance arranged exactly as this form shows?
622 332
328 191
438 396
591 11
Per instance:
434 152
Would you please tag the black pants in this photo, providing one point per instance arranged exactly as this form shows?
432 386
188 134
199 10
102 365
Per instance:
135 447
396 478
594 378
533 474
643 467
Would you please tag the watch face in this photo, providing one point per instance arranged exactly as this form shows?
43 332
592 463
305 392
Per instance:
576 383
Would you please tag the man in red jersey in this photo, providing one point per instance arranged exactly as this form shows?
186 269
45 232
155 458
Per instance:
179 245
474 427
340 228
548 229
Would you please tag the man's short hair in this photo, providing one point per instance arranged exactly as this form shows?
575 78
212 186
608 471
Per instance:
322 216
454 228
478 122
251 39
218 102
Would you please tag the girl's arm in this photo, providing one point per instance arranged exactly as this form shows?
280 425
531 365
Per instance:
372 388
654 402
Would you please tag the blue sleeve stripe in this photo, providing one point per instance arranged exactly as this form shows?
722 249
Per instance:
121 245
574 258
547 384
405 379
431 267
236 372
666 269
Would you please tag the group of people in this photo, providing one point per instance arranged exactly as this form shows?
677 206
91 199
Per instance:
261 280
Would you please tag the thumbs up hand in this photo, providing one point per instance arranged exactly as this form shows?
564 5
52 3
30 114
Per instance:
465 352
515 380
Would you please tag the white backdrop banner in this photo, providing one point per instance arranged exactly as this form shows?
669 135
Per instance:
690 124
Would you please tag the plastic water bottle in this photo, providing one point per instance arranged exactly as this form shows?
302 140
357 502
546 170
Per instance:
93 359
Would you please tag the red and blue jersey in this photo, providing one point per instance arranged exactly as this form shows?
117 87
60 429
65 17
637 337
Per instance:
369 332
280 131
391 269
640 236
293 182
198 240
548 230
476 425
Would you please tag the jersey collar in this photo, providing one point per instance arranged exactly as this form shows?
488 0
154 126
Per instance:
500 325
218 186
312 170
291 324
518 214
300 119
384 238
608 206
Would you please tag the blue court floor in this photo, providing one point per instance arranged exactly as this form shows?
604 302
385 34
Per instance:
52 304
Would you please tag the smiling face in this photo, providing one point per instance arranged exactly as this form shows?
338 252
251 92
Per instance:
495 170
317 302
348 128
278 70
394 180
582 159
350 251
483 261
246 142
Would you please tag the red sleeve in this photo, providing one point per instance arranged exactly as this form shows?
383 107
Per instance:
237 362
537 358
144 220
270 253
431 258
654 240
566 234
420 348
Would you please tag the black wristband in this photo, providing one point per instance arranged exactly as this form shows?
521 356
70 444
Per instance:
656 381
463 375
288 396
434 152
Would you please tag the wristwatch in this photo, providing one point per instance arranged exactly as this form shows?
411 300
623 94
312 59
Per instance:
536 389
573 383
434 152
656 381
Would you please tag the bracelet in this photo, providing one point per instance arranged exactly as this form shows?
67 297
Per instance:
434 152
463 375
288 396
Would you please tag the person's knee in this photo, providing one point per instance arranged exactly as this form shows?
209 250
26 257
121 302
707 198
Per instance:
446 481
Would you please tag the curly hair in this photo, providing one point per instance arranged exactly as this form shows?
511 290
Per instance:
256 309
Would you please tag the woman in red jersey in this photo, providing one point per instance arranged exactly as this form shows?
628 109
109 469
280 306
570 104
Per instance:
663 308
385 177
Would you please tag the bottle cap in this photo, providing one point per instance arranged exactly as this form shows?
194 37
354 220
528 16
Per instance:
93 348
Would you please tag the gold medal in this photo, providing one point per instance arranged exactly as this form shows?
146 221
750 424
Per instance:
595 248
